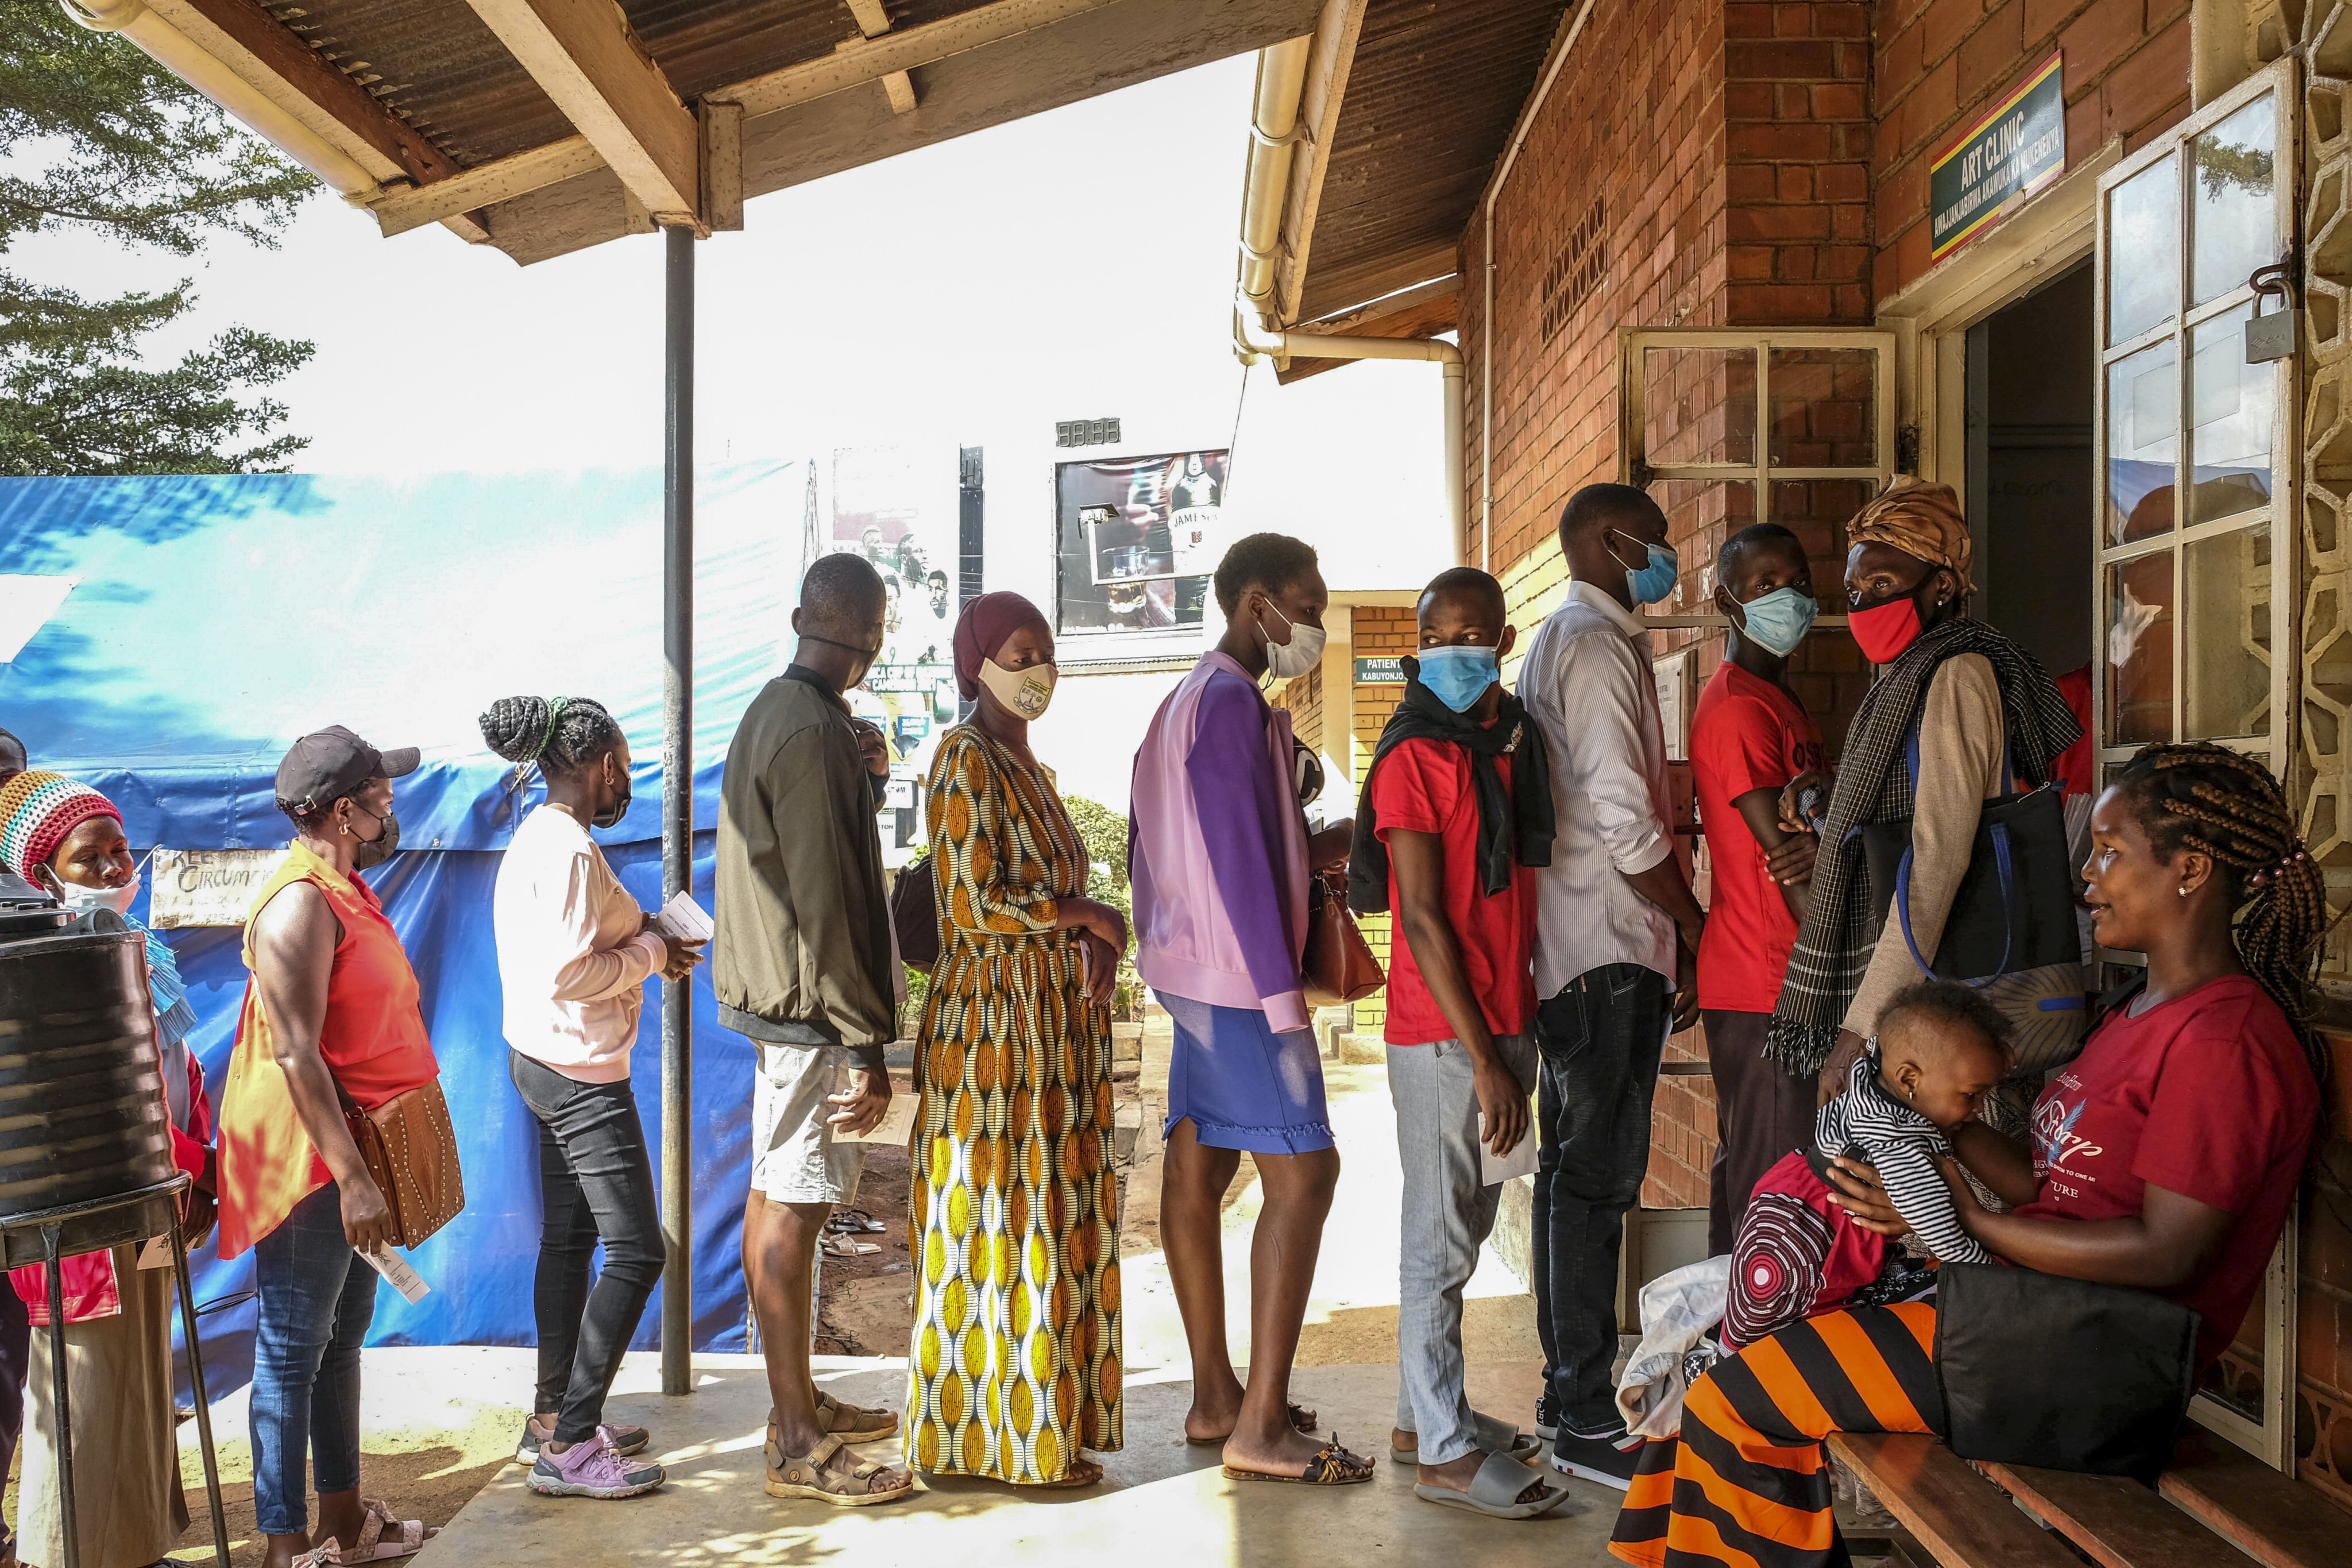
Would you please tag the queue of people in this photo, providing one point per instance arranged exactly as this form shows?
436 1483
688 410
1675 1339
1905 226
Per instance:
1548 941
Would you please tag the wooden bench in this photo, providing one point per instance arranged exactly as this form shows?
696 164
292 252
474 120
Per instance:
2215 1508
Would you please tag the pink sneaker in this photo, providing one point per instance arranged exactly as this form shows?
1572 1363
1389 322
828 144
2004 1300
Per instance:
590 1469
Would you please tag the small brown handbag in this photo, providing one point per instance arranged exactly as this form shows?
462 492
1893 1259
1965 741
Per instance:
1338 963
412 1155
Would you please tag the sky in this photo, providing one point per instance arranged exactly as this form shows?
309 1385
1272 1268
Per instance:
1077 263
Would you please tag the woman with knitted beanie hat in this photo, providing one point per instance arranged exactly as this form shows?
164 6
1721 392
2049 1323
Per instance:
67 839
575 955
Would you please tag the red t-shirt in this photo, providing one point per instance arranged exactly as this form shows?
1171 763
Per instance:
1746 735
1423 786
2208 1096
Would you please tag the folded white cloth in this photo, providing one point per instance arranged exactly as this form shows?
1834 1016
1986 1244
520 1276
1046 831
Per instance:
1678 1311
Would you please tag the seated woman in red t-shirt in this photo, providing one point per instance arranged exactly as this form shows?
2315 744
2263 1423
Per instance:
2165 1158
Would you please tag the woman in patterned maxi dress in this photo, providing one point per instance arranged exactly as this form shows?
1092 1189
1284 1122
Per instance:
1014 1207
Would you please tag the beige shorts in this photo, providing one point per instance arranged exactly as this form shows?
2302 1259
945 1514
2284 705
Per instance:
795 1159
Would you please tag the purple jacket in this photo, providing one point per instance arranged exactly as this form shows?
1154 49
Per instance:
1216 849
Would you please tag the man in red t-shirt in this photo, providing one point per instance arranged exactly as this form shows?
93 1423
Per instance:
1445 801
1750 736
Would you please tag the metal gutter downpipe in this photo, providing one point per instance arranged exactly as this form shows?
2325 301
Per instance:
1487 310
179 54
1274 139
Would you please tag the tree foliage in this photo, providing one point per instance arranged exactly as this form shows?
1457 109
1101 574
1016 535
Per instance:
95 135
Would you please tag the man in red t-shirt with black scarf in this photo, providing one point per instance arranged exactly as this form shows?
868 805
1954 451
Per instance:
1456 806
1750 736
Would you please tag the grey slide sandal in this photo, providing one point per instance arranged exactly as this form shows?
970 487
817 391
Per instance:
1496 1436
1495 1492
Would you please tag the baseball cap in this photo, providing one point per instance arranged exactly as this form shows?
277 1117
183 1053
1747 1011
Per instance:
323 768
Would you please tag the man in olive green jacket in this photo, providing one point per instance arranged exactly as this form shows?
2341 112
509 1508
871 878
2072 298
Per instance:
803 965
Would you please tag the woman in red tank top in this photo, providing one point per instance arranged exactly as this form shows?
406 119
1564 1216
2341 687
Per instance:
331 1022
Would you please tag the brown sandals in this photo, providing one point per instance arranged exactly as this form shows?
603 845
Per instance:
878 1424
811 1477
1332 1465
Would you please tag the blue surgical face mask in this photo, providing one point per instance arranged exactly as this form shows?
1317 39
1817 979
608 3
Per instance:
1459 675
1779 620
1652 584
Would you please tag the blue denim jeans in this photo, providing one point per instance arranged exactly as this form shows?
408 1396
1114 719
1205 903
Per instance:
1599 1040
315 1297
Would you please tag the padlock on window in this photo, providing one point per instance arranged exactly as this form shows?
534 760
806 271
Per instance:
2272 337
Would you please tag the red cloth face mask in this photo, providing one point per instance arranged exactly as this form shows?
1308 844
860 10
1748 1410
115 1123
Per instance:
1886 629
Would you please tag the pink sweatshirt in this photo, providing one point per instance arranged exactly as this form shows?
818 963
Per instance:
1216 849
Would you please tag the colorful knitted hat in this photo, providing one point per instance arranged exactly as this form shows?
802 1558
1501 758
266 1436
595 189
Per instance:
37 810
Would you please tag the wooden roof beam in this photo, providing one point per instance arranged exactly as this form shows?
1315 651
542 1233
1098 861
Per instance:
853 65
279 64
585 56
873 21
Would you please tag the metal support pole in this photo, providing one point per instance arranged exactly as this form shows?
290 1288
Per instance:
196 1384
61 1415
677 798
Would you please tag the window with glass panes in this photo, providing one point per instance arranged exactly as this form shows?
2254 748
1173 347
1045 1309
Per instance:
2195 462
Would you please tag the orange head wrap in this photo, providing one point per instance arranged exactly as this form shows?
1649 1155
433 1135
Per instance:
1920 519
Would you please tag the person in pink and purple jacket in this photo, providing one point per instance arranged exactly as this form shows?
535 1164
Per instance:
1219 855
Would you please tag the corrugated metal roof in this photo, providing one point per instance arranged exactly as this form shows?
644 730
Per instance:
443 70
1434 90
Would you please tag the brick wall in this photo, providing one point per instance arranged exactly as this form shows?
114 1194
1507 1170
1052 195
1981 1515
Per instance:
1940 64
1303 699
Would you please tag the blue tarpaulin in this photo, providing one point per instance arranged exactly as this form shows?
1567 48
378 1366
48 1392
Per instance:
213 620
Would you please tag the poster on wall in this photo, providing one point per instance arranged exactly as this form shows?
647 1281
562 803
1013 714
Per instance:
1137 538
897 505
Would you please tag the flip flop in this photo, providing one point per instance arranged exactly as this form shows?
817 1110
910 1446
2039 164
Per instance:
1494 1435
1301 1419
1495 1492
1332 1465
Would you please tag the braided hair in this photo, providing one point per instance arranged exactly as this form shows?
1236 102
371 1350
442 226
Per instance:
2227 806
557 735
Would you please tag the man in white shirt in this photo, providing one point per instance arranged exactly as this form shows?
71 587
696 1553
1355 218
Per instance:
1616 934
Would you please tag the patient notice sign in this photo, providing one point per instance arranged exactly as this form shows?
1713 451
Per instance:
2015 149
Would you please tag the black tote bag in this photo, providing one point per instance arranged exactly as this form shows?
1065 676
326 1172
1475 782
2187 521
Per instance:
2038 1369
2010 932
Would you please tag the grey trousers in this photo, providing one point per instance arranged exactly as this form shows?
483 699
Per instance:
1447 1215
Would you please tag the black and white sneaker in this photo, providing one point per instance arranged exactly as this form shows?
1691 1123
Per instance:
1611 1460
1547 1417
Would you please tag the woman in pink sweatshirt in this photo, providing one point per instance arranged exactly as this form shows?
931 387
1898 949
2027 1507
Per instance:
1218 854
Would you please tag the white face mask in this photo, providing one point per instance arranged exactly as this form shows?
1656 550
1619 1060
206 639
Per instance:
1289 661
1023 692
77 901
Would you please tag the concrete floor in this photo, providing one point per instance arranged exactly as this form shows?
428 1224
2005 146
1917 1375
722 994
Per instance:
1162 1501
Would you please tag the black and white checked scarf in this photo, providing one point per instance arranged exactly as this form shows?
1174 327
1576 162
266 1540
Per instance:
1840 928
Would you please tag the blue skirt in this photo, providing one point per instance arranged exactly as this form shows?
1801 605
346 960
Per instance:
1245 1086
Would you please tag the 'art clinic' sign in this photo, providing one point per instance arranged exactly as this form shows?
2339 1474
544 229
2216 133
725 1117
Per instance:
2018 147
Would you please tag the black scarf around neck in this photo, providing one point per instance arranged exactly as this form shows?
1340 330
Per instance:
1515 825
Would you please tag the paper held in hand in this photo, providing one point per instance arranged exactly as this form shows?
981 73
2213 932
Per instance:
682 920
395 1268
897 1122
1519 1162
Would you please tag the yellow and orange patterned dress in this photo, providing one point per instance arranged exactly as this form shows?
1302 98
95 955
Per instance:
1014 1207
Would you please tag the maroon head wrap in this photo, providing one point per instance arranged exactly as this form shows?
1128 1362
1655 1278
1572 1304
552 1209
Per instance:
981 629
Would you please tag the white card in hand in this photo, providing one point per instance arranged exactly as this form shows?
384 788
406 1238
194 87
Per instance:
1519 1162
897 1122
682 920
395 1268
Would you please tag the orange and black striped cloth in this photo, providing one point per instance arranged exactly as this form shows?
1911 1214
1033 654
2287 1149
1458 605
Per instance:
1747 1485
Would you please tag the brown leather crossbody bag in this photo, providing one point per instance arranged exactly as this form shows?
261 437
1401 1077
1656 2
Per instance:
412 1155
